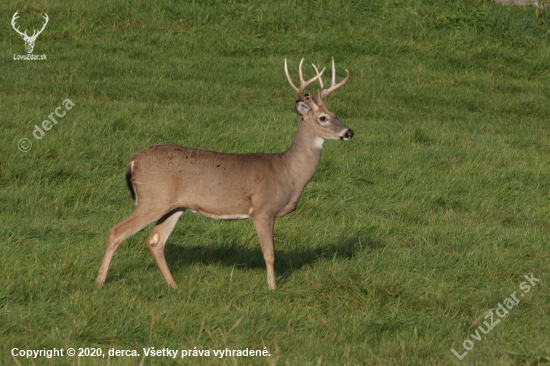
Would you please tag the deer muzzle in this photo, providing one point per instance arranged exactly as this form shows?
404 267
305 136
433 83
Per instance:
347 135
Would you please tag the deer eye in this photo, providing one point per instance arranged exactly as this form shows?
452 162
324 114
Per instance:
322 118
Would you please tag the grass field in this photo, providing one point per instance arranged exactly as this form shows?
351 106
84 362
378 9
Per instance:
408 233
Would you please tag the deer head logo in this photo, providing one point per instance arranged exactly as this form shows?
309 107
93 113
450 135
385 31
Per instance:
29 41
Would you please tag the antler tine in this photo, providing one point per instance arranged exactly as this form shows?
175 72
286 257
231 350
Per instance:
289 79
333 74
334 86
300 72
13 19
43 26
303 84
320 79
46 17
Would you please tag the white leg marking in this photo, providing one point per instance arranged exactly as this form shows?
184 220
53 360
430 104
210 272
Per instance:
155 240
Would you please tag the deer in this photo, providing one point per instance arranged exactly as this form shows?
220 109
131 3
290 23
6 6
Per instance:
29 41
166 180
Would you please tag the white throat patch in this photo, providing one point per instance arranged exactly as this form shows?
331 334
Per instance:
319 141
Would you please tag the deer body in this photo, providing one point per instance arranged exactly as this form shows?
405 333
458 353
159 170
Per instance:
217 185
165 180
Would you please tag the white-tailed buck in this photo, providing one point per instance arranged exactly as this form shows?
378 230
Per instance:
29 41
165 180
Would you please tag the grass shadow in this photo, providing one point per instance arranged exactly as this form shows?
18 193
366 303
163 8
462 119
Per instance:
286 261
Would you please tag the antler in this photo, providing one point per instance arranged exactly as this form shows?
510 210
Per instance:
324 92
35 35
17 29
24 35
303 84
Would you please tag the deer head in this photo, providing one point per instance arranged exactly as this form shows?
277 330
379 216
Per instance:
29 41
328 126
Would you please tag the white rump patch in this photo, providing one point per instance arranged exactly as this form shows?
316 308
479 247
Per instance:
221 217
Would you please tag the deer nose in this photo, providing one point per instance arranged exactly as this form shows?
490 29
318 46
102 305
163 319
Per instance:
348 134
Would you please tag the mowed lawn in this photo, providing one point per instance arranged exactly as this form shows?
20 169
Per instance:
412 240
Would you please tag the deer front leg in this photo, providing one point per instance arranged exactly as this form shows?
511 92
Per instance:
264 228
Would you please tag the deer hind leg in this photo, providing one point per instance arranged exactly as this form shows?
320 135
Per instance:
120 232
264 228
157 240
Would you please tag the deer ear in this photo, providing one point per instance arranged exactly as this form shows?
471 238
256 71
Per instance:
302 108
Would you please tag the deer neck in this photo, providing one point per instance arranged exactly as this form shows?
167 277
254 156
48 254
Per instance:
303 157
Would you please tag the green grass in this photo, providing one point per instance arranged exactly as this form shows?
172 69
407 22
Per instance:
430 216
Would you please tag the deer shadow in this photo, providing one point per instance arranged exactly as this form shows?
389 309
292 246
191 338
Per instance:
286 261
